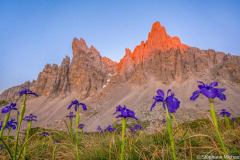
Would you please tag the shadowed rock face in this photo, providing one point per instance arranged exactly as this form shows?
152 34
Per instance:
13 93
88 70
86 73
163 57
53 80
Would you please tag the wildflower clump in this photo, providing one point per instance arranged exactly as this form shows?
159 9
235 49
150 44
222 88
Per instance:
211 92
170 104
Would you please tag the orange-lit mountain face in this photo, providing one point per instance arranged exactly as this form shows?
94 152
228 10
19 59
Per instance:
158 39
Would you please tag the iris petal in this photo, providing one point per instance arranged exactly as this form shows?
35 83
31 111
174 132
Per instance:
221 90
160 94
168 91
70 106
6 109
84 106
195 95
213 84
201 86
153 105
221 96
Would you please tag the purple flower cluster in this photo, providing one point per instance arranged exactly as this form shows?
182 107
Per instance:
29 118
2 147
1 125
135 128
99 129
172 102
27 91
80 126
44 134
124 112
224 112
138 127
109 128
71 115
9 108
76 103
11 124
209 91
56 141
164 121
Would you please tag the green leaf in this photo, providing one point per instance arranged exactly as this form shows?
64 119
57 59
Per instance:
9 152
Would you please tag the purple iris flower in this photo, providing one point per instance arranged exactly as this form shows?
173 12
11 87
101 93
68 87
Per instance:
1 125
99 129
115 130
9 108
85 133
224 112
164 121
56 141
71 115
109 128
80 126
44 134
133 130
31 117
118 109
138 127
2 147
77 105
124 112
209 91
27 91
11 124
172 102
233 119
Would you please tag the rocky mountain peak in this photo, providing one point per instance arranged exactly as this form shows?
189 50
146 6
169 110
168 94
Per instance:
94 51
159 39
80 44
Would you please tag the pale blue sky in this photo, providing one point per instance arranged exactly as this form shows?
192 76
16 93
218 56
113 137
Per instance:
34 33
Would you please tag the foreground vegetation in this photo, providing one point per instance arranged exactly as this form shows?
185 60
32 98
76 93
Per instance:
198 138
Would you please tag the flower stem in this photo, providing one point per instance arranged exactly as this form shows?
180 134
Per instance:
26 139
169 128
19 125
227 122
123 138
176 124
77 123
71 129
8 135
4 123
213 114
54 149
